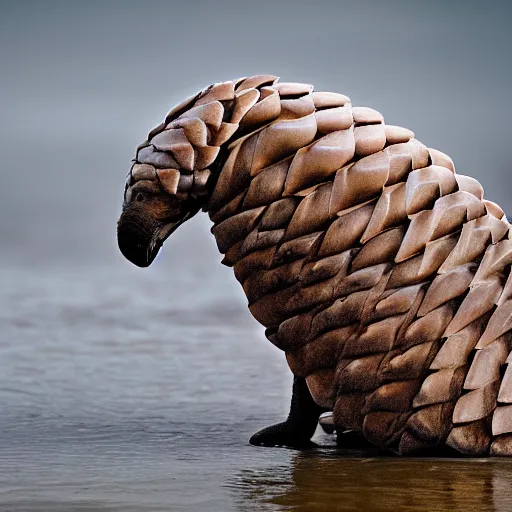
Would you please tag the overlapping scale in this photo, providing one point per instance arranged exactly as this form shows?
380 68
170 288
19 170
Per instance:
320 159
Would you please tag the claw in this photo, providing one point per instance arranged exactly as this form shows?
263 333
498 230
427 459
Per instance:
282 434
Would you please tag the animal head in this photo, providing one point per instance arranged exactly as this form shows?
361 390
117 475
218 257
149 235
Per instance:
175 169
165 184
162 191
156 202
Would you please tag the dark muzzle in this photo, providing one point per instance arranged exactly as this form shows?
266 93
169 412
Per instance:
136 240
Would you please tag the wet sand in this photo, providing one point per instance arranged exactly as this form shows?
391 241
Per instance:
112 400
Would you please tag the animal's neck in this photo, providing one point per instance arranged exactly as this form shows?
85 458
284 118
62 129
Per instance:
197 137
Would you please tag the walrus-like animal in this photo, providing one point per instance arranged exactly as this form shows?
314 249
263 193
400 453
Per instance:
382 274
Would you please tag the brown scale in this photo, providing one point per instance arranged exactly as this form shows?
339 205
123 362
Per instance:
380 272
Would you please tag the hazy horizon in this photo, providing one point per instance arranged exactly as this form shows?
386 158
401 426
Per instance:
84 82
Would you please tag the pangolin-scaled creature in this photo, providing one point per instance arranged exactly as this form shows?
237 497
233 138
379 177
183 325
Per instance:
382 274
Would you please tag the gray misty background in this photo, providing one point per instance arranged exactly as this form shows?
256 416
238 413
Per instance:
83 82
137 389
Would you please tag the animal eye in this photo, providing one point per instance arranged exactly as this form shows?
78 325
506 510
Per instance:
140 197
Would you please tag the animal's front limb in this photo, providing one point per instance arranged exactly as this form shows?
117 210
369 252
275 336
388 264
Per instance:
301 424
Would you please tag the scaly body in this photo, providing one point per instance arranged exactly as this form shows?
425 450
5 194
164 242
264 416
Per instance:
382 273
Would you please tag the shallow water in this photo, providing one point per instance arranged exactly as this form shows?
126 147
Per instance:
136 391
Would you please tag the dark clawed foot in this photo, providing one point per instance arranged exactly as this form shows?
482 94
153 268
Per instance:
300 426
282 434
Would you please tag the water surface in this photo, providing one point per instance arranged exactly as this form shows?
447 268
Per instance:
123 390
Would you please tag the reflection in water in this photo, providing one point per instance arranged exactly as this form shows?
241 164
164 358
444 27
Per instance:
324 480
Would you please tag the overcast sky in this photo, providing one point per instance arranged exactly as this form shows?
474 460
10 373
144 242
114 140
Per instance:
83 82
